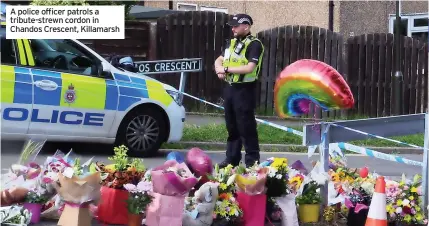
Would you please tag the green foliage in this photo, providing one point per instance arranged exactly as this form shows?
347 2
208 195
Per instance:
127 4
137 202
137 164
120 158
33 197
77 168
309 194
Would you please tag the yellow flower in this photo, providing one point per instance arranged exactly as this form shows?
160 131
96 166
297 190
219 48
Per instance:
419 217
411 198
407 218
279 162
414 189
390 209
418 208
399 202
223 186
336 177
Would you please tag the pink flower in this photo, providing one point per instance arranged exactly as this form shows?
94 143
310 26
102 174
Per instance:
144 186
47 180
419 191
406 187
130 187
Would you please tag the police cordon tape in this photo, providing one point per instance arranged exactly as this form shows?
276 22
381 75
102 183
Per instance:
341 145
376 154
376 136
287 129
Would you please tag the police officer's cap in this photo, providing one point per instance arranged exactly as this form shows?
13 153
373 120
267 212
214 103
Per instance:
240 19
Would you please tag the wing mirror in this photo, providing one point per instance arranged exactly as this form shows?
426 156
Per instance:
104 70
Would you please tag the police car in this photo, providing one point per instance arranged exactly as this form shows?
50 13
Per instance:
61 90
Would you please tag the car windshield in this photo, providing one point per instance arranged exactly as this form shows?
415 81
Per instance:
50 45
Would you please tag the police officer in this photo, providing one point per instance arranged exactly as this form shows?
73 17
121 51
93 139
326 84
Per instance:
239 65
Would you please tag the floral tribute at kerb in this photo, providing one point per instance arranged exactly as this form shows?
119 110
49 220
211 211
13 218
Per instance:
188 190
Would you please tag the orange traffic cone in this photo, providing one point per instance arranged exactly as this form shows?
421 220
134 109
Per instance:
377 214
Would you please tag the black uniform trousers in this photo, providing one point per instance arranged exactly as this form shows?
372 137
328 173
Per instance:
240 104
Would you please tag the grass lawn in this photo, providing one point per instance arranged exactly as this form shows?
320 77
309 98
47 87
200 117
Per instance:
271 135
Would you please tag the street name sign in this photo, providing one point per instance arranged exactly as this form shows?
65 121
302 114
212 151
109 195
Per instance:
169 66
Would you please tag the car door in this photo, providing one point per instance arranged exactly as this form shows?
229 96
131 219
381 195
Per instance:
69 100
16 88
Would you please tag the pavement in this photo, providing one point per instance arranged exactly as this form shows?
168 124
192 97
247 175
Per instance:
197 119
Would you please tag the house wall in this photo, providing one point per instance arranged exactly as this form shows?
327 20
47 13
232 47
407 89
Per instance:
360 17
351 18
269 14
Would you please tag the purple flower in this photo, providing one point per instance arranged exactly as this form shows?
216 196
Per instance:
130 187
144 186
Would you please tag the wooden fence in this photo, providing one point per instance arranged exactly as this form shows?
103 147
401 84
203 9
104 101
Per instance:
136 43
194 34
287 44
371 65
366 61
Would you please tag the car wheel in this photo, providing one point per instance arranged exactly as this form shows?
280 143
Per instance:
142 131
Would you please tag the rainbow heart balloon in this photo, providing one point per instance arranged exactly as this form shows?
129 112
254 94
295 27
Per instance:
310 81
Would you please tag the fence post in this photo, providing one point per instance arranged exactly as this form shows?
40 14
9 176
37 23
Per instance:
425 176
324 159
153 41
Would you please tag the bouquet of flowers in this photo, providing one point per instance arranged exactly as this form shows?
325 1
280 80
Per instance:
405 205
225 177
14 215
37 197
172 182
277 180
227 211
123 170
139 197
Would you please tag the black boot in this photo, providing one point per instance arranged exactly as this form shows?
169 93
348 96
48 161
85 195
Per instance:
225 163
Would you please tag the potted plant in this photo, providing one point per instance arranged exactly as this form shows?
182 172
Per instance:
309 203
33 202
138 199
123 171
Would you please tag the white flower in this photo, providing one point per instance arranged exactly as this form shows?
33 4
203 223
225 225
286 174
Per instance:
232 199
398 210
144 186
231 180
368 187
236 212
279 176
130 187
406 202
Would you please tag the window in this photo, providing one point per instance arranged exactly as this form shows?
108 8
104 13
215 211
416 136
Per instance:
63 54
187 7
8 49
412 25
214 9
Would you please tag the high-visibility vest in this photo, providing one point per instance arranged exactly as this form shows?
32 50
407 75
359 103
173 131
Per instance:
232 59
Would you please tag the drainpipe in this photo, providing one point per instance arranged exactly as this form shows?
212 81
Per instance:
331 15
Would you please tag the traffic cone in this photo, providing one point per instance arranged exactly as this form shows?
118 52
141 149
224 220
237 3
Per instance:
377 214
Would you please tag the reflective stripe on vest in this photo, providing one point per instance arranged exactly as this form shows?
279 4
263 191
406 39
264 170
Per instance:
231 59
